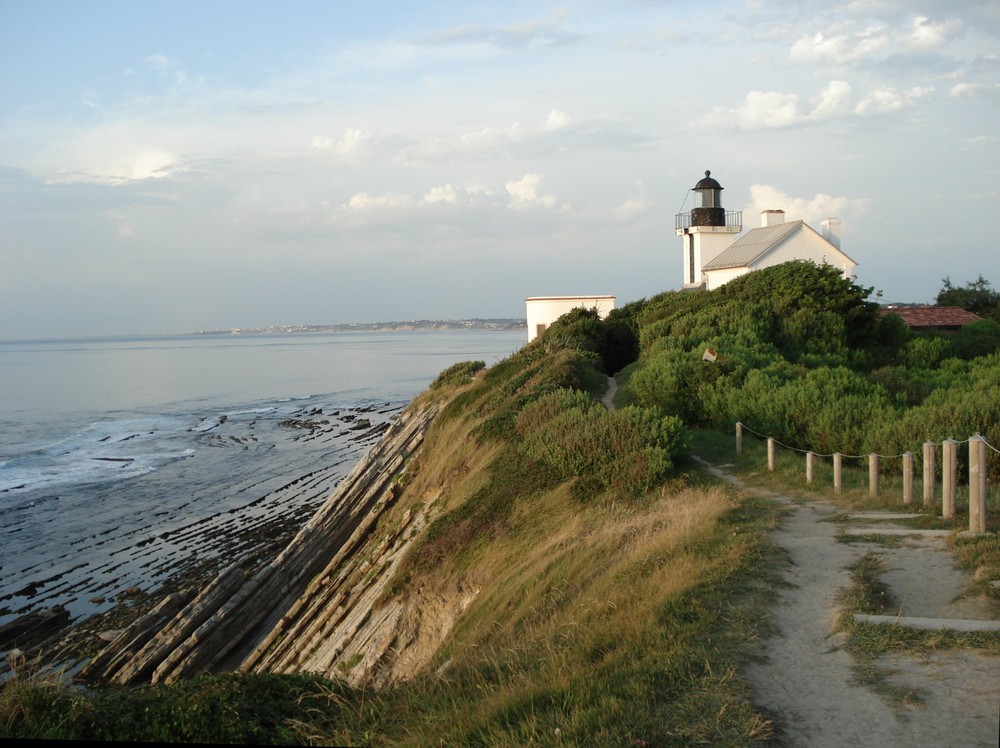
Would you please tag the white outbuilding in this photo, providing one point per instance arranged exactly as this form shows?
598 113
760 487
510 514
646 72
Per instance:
542 311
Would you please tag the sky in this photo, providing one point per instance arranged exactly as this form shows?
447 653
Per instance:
168 167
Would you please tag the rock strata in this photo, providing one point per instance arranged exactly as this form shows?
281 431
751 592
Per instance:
240 615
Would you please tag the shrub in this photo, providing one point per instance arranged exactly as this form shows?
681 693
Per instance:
458 374
628 450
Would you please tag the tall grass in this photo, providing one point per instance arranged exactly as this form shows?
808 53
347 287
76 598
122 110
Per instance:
616 624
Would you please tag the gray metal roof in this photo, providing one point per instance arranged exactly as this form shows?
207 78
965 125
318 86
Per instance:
753 245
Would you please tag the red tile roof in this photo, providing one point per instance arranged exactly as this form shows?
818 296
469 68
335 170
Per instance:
946 317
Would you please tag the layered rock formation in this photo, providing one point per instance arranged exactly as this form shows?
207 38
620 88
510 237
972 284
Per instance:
311 608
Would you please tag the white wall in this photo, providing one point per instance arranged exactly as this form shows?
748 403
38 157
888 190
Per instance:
709 243
544 310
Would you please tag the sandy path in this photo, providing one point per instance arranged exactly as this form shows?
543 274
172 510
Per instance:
806 680
609 395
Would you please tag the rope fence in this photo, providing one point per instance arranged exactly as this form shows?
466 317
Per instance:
978 463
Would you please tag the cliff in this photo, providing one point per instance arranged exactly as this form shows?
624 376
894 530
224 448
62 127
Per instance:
306 609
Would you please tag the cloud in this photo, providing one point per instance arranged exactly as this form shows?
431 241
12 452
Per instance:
979 140
557 134
887 100
351 142
366 201
760 109
136 167
924 35
516 36
811 210
833 100
524 192
839 48
847 43
555 121
160 63
972 90
635 205
775 109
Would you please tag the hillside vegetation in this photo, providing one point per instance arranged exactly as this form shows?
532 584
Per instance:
609 591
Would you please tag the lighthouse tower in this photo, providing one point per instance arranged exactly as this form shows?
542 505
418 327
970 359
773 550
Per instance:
707 230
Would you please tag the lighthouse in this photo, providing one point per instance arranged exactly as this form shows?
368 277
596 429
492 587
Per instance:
707 230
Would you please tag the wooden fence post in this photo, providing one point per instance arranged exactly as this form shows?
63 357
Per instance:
949 477
739 438
907 478
977 484
810 462
770 453
838 473
928 473
873 475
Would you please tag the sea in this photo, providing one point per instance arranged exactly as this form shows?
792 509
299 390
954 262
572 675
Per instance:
127 463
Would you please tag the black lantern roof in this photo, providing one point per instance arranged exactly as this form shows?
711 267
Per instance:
708 183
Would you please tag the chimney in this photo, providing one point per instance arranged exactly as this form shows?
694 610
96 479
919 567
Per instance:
772 217
831 231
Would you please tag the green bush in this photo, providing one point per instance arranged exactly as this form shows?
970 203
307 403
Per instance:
628 450
232 708
977 339
458 374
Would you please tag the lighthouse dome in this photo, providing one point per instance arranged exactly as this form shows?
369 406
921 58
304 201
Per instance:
708 183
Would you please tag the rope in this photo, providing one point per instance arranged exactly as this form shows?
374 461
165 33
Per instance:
687 194
855 457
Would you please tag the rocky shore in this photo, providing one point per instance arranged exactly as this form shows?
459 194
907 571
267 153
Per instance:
237 504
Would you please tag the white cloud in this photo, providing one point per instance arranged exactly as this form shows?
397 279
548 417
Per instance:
924 35
776 109
636 205
139 166
525 192
557 133
974 89
445 194
366 201
833 100
555 121
160 63
887 100
979 140
760 109
811 210
840 44
350 142
839 48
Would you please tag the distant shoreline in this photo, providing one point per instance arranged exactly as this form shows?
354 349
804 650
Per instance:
420 325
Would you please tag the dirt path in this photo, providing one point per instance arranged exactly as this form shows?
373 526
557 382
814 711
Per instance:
609 395
806 680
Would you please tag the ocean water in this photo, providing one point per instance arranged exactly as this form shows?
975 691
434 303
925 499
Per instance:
124 462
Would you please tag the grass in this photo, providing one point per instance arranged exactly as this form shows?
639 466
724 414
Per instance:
617 624
222 709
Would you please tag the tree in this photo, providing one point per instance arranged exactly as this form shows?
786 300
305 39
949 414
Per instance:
977 297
